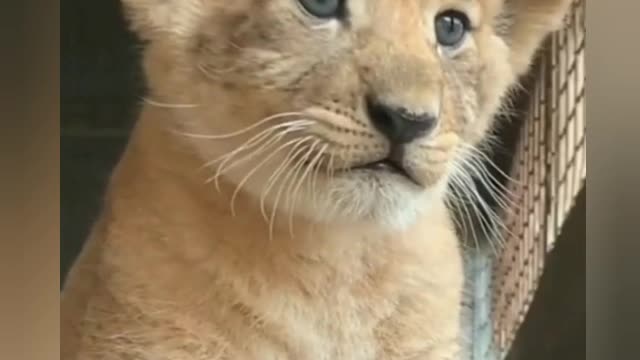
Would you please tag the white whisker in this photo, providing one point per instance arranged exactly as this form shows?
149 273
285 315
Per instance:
496 219
314 180
256 139
284 183
241 131
495 183
309 167
226 166
458 222
490 162
212 73
487 227
466 213
503 199
274 178
254 170
299 165
168 105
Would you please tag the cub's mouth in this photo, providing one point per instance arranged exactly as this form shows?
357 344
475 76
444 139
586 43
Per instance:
388 166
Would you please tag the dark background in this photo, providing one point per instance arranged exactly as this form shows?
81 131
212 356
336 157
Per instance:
101 84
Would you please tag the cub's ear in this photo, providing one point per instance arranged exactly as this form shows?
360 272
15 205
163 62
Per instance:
148 18
524 24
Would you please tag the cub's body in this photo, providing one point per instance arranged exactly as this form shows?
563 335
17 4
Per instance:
283 193
156 283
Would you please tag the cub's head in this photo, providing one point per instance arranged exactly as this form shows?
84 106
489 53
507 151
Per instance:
337 110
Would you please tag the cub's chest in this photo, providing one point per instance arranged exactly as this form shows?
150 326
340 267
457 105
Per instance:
392 305
399 318
346 327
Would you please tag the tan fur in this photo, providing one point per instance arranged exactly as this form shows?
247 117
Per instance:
319 264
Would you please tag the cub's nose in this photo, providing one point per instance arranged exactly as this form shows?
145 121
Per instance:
398 125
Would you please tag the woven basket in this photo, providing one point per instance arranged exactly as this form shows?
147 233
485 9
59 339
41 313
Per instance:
550 170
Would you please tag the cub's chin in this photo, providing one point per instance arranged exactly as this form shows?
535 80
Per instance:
382 194
377 193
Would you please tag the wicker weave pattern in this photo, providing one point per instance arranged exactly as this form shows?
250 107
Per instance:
550 169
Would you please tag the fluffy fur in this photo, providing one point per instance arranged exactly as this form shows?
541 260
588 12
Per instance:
233 227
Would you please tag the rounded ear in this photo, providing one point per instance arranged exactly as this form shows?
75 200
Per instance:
150 17
524 24
145 16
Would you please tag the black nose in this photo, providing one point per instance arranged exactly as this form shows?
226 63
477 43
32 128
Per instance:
397 124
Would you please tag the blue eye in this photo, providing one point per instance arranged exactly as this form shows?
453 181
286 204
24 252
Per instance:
323 8
451 27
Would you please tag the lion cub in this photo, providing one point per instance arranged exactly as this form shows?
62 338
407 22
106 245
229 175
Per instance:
282 193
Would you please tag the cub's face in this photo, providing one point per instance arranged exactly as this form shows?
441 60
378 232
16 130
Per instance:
337 110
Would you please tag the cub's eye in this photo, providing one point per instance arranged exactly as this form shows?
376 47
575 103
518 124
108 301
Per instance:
323 8
451 28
